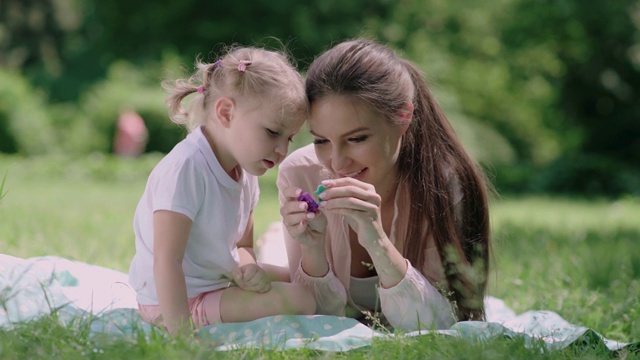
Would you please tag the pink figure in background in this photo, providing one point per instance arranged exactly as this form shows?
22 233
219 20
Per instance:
131 135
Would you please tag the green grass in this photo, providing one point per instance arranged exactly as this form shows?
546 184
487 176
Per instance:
579 258
83 209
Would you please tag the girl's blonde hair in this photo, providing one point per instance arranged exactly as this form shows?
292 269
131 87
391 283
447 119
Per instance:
241 71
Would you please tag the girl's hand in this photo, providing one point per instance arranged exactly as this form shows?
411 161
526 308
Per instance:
251 277
359 203
305 227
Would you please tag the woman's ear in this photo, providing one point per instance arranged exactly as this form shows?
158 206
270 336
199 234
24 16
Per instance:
224 111
406 115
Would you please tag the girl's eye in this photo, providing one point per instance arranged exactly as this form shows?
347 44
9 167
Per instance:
359 138
272 133
319 141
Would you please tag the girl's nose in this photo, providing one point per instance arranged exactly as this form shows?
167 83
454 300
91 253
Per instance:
282 147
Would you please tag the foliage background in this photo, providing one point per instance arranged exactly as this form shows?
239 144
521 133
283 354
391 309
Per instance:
543 93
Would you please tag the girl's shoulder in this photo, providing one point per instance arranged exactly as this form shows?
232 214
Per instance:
182 158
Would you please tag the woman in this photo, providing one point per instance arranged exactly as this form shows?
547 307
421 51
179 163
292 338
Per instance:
403 224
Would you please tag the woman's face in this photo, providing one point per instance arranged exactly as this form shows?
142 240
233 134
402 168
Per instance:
352 139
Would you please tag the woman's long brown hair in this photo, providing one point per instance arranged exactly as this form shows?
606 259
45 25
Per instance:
432 164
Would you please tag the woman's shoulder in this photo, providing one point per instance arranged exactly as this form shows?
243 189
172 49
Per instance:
302 166
301 157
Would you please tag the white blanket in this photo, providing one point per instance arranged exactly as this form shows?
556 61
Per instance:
79 293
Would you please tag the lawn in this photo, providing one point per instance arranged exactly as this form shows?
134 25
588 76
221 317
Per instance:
577 257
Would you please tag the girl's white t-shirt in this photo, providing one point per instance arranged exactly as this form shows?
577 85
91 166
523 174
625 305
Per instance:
190 180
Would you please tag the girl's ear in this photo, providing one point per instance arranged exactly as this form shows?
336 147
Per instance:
406 115
224 111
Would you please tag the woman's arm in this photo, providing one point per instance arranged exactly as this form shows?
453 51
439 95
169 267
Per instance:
304 235
408 300
359 203
390 265
306 230
414 304
329 293
171 234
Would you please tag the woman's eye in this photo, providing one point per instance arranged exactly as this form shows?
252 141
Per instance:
319 141
273 133
359 138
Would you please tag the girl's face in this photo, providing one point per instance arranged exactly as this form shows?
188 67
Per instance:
352 139
259 136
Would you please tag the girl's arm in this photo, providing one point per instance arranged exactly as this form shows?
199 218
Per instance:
245 245
171 234
248 275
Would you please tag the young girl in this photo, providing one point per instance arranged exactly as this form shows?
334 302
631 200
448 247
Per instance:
403 225
194 264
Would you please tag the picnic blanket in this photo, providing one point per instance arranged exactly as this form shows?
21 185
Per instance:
81 294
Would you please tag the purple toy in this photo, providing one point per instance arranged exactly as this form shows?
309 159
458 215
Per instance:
312 204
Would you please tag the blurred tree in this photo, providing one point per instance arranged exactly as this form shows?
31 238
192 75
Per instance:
47 39
32 33
525 82
557 79
192 27
599 47
25 125
492 86
65 45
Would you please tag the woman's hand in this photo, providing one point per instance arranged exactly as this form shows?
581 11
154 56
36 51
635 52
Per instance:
359 203
305 227
251 277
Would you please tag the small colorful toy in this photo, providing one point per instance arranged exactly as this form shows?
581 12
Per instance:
319 191
312 204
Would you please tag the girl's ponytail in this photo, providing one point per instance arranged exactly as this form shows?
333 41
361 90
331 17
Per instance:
242 71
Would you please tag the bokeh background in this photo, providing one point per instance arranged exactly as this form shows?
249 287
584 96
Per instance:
544 93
